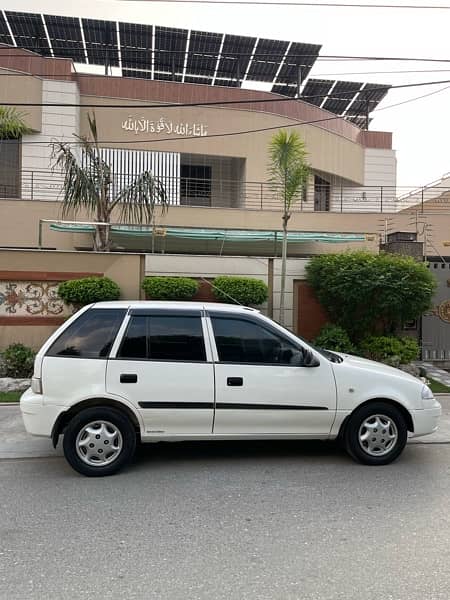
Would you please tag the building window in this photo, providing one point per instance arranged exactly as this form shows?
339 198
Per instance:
10 168
321 194
195 185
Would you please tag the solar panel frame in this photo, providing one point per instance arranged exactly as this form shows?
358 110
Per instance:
101 41
136 45
65 37
28 31
5 36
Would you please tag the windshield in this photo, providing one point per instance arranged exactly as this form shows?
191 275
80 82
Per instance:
332 356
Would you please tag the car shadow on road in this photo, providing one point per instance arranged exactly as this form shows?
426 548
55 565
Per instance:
254 450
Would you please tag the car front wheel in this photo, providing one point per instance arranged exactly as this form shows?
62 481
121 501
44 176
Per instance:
99 441
376 434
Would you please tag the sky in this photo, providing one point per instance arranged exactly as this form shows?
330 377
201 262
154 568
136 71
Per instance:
421 128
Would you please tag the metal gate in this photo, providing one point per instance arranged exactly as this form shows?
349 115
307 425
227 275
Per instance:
436 323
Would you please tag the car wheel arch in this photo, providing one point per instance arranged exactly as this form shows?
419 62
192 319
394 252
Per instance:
403 410
64 418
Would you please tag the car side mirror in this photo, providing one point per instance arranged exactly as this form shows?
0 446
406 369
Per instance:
309 360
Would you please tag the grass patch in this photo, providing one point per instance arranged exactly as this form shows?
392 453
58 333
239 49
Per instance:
437 387
10 396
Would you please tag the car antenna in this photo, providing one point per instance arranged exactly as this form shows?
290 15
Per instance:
221 291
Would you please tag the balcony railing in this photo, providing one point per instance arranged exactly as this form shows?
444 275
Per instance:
227 193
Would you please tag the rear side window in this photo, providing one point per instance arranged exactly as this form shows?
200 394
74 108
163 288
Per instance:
165 337
90 336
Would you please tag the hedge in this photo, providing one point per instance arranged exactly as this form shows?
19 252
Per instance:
17 361
87 290
390 349
170 288
333 337
240 290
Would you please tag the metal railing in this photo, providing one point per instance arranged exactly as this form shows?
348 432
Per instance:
227 193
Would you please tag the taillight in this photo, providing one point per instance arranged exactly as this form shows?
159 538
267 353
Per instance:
36 385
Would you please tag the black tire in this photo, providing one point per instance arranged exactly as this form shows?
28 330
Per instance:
354 426
121 443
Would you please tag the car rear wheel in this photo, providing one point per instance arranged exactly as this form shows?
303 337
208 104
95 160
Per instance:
376 434
99 441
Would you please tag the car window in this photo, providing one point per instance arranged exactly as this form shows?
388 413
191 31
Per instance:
173 338
241 341
90 336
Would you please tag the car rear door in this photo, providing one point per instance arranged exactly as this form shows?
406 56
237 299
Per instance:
163 366
260 389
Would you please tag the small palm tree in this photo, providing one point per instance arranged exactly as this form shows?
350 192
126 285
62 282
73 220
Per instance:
290 171
12 123
89 187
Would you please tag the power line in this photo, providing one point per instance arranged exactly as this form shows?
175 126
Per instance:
114 49
413 99
342 96
311 4
227 134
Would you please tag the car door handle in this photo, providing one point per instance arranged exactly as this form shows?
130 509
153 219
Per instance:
235 381
128 378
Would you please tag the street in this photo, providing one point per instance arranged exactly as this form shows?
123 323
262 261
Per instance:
266 520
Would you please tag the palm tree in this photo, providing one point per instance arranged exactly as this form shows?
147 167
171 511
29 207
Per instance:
88 186
12 123
290 171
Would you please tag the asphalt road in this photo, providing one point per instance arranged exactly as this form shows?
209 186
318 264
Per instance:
279 520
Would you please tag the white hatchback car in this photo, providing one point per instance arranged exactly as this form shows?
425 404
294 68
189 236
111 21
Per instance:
117 373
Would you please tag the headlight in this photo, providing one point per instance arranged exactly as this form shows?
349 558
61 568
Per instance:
427 394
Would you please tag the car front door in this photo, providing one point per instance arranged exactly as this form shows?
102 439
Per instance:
163 366
261 387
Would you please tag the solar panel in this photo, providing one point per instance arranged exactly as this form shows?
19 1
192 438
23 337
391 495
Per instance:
299 55
65 37
266 61
203 57
101 42
342 95
5 37
203 51
315 91
203 80
367 99
170 48
28 31
285 90
137 74
236 53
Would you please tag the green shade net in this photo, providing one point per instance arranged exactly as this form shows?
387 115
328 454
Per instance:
229 235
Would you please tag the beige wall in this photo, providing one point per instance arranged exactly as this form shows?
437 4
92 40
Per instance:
125 269
327 151
23 88
19 222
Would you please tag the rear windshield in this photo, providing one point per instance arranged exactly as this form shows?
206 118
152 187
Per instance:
91 335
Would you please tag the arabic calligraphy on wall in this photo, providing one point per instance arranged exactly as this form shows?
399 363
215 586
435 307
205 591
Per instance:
164 126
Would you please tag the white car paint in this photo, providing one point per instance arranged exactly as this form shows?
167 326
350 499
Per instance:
327 393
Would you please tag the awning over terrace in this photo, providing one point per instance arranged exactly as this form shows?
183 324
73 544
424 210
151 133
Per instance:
229 235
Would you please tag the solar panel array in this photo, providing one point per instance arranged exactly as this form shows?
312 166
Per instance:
189 56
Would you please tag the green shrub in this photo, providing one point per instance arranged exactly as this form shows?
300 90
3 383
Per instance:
240 290
364 292
18 361
389 349
170 288
333 337
87 290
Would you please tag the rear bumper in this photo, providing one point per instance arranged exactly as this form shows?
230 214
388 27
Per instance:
426 421
38 417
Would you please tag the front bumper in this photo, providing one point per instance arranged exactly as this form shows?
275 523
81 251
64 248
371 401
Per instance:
38 417
426 421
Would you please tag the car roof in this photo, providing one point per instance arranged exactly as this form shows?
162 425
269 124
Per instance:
175 305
